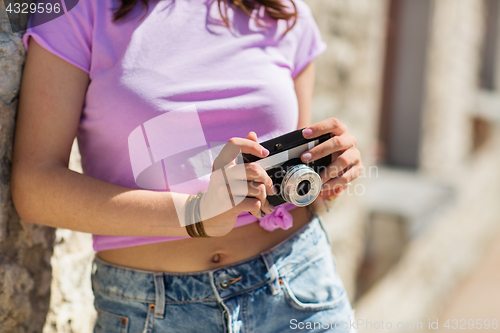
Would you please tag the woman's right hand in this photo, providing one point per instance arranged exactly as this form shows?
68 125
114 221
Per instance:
240 188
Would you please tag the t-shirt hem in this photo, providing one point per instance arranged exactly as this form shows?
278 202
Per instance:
136 241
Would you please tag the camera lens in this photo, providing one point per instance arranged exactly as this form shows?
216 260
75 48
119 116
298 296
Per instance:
300 185
303 187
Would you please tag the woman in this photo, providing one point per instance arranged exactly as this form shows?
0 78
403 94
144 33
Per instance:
104 73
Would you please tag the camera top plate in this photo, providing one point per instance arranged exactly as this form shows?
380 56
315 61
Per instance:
287 142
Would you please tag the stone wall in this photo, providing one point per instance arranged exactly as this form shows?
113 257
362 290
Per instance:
348 87
452 85
25 249
71 302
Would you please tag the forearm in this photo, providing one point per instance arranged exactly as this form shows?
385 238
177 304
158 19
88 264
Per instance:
58 197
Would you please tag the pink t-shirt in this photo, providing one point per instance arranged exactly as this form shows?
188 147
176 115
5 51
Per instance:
179 56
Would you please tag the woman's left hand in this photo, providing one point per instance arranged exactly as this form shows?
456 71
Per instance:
346 165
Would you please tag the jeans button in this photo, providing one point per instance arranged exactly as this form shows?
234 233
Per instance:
223 282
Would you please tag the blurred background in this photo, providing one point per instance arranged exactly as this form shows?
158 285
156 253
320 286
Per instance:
416 237
418 83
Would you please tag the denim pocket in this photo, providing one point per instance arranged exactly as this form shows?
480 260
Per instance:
110 323
117 314
314 285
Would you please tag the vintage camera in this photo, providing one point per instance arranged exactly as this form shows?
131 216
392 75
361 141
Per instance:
297 183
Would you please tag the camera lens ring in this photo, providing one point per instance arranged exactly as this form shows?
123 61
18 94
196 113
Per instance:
295 176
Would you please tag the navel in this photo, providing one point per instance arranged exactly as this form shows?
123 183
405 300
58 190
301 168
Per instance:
217 258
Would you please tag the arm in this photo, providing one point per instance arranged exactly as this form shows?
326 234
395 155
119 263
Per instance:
46 192
304 88
347 164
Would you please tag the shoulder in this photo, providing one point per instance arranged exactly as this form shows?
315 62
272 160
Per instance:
303 10
53 13
81 7
91 10
305 17
73 16
66 28
302 7
305 23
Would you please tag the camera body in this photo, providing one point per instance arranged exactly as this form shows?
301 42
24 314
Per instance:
297 183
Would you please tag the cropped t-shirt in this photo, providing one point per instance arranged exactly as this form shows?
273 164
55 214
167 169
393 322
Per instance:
179 56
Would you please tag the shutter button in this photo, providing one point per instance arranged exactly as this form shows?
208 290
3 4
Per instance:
224 281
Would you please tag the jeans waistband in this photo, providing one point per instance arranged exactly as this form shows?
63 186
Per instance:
213 285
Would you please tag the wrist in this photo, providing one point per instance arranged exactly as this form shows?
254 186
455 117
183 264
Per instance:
217 221
194 222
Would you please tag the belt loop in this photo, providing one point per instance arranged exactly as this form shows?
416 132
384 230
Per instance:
274 276
160 295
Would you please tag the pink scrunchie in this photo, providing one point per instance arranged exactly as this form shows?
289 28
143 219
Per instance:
280 218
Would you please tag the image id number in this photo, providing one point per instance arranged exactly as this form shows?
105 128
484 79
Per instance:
470 324
26 8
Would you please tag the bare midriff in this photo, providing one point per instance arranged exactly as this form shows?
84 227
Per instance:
201 254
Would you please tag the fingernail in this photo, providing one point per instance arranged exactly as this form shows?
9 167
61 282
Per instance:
307 132
339 190
345 186
307 156
262 214
265 152
272 208
274 190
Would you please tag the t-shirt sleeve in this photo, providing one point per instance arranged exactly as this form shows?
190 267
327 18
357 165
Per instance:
68 35
309 42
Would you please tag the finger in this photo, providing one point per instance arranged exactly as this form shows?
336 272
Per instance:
250 189
267 207
248 146
251 205
330 125
234 147
252 136
348 158
330 146
255 172
250 172
333 196
333 186
241 188
258 190
332 189
237 188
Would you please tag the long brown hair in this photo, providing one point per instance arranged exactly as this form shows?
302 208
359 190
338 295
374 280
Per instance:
274 8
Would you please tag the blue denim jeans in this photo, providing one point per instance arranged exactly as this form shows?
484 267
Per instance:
292 287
